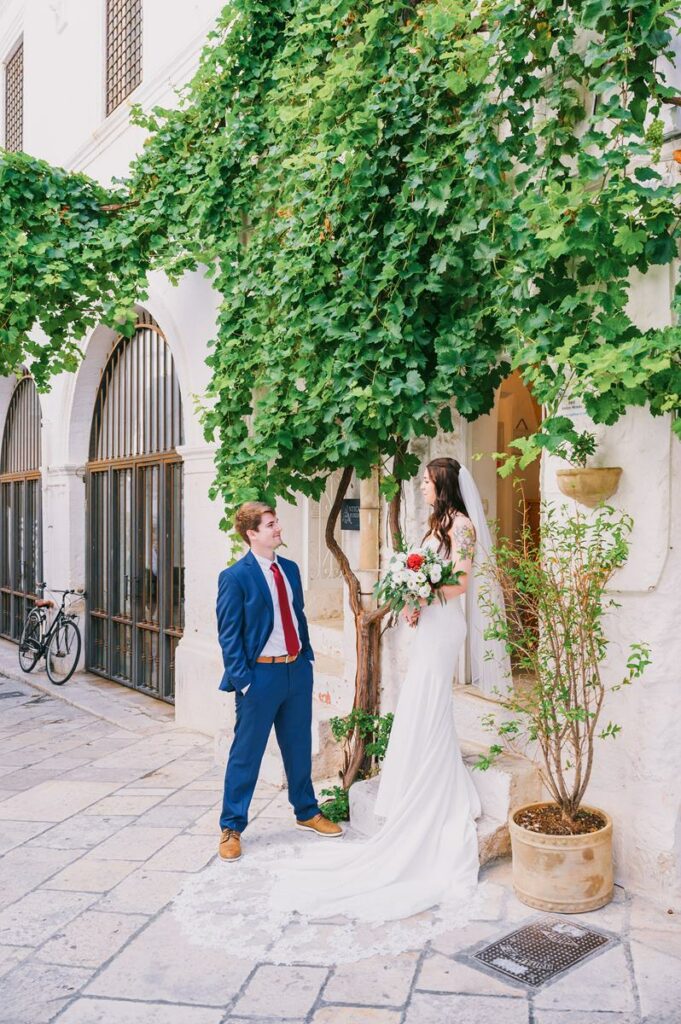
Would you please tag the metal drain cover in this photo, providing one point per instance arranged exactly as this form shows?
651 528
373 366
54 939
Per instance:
537 952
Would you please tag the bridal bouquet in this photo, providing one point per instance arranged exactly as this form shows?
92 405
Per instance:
415 575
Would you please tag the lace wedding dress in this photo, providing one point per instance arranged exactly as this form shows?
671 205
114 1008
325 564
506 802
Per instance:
419 871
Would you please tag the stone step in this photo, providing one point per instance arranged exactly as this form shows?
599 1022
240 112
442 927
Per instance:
326 637
511 782
330 688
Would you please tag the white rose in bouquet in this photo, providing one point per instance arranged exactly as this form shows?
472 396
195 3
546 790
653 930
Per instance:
424 591
435 573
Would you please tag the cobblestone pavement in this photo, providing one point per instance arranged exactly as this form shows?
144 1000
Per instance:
106 809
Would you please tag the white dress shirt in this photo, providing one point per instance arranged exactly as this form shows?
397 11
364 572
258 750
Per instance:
276 642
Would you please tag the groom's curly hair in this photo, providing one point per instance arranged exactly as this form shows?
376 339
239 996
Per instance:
249 516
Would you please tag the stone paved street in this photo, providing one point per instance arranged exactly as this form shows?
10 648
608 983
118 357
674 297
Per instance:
107 809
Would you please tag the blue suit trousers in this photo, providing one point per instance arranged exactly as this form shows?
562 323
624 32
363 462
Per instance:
280 695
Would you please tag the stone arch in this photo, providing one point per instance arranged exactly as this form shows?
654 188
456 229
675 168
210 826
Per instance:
134 535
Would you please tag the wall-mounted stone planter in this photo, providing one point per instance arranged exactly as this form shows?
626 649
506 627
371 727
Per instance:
562 874
589 486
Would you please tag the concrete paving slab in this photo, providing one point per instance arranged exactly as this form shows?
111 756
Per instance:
378 981
38 915
658 980
186 853
88 1010
143 891
14 833
168 816
187 797
645 914
92 874
53 801
440 974
293 990
25 868
664 941
162 963
10 956
585 1017
81 830
21 780
91 939
33 993
124 804
428 1008
602 983
459 939
355 1015
134 842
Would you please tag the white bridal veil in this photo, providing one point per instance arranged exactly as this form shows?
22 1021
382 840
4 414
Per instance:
490 664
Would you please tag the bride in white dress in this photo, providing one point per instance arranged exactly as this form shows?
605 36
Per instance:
424 857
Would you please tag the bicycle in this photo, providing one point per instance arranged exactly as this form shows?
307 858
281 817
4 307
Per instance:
59 644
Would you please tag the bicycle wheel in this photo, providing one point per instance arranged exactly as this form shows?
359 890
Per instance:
30 644
63 652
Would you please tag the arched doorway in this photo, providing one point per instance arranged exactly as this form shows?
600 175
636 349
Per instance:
135 563
20 508
510 502
510 499
518 415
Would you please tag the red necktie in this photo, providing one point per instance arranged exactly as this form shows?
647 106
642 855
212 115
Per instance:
290 635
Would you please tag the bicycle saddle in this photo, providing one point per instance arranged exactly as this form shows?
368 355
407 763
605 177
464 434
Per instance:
44 604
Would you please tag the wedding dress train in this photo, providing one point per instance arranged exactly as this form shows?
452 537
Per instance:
421 866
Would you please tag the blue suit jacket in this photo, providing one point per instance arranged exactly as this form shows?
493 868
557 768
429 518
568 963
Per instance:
246 616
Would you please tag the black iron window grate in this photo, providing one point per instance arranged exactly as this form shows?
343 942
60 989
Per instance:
20 451
20 509
123 50
14 100
138 409
541 951
135 577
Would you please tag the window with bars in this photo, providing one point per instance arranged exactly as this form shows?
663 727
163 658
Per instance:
123 50
14 100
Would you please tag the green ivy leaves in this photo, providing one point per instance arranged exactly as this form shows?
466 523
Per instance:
396 201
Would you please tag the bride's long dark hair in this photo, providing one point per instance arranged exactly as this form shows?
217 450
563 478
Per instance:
448 501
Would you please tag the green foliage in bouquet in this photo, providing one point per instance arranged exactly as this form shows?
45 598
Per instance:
556 597
415 576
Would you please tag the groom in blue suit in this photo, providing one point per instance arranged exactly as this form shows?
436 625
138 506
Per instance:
268 662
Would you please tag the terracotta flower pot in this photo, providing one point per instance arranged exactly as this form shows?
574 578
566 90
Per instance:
562 874
590 485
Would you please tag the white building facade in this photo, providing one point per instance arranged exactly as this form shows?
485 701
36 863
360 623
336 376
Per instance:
104 481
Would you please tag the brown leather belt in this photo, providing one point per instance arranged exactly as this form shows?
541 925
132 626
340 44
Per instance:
280 659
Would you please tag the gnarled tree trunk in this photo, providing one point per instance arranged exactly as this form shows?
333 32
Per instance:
367 628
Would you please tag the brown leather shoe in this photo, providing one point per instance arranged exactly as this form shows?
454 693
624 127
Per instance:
230 844
322 826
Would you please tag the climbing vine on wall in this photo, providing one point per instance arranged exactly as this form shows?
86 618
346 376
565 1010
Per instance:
390 196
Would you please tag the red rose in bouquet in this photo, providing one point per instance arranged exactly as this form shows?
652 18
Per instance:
415 562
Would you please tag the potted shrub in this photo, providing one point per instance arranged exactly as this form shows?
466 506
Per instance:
589 485
555 594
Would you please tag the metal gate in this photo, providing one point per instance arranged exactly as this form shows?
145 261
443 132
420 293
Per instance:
20 509
135 539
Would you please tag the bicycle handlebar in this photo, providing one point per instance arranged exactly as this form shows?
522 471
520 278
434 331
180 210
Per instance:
56 590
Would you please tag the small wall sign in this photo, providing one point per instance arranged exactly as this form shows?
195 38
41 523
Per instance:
350 514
